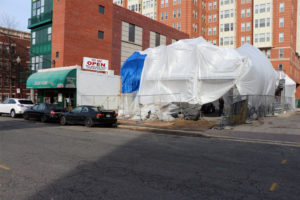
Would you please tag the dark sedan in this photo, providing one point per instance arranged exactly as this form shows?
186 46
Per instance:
44 112
89 116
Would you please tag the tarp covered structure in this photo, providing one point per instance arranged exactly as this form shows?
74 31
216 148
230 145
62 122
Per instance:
197 72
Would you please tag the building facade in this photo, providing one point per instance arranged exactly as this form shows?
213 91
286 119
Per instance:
102 30
14 63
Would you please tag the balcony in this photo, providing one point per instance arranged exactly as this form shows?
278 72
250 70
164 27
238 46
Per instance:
40 19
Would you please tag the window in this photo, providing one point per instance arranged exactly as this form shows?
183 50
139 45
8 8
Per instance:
174 2
57 54
162 3
269 53
248 26
268 7
221 14
179 1
248 38
166 15
131 35
242 1
166 3
281 37
38 7
248 12
77 110
157 39
215 17
179 12
209 31
243 13
221 27
256 23
268 37
214 30
101 9
256 9
262 37
226 27
162 15
281 22
280 53
179 24
268 22
262 8
174 25
209 18
262 23
210 6
6 49
49 33
256 38
242 40
215 5
101 35
231 13
243 27
281 7
174 13
280 67
226 14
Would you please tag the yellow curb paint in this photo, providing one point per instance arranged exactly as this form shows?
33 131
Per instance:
283 162
4 167
273 187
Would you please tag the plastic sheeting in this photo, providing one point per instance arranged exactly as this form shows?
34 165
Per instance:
259 76
197 72
131 72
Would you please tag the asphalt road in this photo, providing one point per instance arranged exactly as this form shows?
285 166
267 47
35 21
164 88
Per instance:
50 162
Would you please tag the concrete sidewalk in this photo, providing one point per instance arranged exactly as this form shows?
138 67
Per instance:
283 129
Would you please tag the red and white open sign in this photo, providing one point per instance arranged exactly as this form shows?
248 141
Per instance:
95 64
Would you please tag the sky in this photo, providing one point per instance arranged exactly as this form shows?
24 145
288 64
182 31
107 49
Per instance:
17 10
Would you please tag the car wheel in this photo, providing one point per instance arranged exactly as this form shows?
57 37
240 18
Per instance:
13 114
63 121
44 118
89 122
25 116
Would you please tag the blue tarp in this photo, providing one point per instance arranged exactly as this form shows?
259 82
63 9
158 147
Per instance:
131 72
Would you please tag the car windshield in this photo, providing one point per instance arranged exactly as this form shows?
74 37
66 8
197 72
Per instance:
25 102
95 109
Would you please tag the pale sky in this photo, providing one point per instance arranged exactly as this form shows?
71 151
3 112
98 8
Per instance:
17 10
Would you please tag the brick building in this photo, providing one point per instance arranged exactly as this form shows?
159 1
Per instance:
14 63
271 25
63 34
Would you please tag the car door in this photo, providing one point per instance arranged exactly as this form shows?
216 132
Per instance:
10 105
32 113
74 115
40 110
85 113
3 106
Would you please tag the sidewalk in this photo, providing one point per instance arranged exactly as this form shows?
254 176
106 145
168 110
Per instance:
282 129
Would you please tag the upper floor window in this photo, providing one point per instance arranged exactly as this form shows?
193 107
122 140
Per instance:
248 12
243 13
179 25
281 37
281 22
101 35
166 3
210 6
33 38
179 12
38 7
262 8
101 9
166 15
280 53
215 5
49 33
174 2
162 3
131 35
174 13
281 7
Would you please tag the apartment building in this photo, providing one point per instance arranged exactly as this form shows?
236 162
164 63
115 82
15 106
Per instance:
147 8
14 63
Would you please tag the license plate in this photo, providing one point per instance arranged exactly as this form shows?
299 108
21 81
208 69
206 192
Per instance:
108 115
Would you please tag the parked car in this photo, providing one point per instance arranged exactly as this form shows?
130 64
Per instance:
44 112
14 106
89 116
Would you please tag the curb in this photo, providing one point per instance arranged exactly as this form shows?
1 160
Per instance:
203 135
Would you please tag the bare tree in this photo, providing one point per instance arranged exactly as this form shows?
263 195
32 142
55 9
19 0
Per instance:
10 24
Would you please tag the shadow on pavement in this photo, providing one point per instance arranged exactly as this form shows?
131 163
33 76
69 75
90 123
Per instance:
163 167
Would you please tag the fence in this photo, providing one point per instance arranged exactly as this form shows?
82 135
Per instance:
138 107
239 109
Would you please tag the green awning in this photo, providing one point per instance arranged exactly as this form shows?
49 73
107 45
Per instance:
52 79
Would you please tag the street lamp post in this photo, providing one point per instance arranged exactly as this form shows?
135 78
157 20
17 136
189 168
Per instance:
18 75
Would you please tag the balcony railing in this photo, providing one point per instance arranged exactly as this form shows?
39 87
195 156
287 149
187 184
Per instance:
44 17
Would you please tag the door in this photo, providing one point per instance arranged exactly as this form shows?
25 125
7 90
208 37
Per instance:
40 111
32 113
10 105
3 106
74 116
